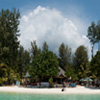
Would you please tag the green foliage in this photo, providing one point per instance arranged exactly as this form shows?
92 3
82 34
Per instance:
94 34
12 75
64 56
3 70
34 49
95 65
71 73
98 30
45 47
84 70
80 60
1 81
51 80
7 74
23 61
45 65
9 21
15 60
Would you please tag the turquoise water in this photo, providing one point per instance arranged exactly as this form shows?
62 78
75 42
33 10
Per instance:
21 96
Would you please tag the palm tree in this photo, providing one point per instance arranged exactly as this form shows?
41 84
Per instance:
3 73
84 71
3 70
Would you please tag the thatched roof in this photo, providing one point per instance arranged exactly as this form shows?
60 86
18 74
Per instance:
61 72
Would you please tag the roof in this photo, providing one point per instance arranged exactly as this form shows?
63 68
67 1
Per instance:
61 72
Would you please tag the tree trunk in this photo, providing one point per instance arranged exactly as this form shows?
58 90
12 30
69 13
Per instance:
92 50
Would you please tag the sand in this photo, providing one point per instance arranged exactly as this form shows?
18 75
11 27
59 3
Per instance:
76 90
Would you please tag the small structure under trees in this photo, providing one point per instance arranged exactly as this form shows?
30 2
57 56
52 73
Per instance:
61 76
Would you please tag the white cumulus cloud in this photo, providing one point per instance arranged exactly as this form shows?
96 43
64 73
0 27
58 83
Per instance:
45 24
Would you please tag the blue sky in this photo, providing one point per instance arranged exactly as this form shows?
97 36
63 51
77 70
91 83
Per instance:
52 20
89 7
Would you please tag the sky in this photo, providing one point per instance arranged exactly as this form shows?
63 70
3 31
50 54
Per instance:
55 21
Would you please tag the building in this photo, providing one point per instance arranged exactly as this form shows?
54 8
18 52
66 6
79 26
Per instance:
61 76
61 73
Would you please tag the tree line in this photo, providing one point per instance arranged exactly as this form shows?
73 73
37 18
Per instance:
42 63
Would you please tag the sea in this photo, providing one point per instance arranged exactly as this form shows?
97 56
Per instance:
25 96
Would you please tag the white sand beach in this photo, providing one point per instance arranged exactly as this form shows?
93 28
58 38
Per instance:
76 90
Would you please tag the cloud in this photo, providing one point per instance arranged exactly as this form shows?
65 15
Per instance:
45 24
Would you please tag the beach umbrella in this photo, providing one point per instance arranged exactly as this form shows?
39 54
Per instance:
27 75
81 79
88 79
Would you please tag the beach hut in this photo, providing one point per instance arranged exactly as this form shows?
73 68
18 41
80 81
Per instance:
61 76
61 73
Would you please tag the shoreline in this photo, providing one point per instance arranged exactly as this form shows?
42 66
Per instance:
76 90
